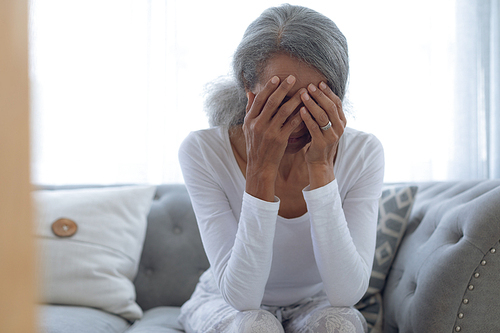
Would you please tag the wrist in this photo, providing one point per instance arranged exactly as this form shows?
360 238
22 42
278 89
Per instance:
320 175
260 184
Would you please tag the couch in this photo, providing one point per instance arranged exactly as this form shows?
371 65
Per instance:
440 244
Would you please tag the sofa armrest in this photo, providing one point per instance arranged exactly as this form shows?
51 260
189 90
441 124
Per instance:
446 274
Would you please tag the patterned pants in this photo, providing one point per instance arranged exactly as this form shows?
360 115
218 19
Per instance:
207 312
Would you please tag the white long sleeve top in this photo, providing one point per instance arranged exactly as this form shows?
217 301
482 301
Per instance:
258 257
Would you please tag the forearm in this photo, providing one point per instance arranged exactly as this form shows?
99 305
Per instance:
344 269
243 277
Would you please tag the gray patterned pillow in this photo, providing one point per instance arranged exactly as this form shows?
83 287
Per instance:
395 207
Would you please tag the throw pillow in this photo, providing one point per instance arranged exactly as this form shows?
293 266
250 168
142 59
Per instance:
395 207
90 243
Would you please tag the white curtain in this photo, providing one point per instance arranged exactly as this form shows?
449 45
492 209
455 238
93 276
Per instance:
477 93
117 84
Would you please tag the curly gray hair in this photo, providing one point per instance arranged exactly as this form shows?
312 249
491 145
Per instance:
298 31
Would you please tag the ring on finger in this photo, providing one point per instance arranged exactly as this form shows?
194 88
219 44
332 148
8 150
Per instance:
327 126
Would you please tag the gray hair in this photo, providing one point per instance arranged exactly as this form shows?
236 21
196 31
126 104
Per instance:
298 31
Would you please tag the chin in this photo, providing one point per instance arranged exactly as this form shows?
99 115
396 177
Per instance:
298 144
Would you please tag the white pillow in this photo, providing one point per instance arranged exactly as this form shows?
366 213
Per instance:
97 258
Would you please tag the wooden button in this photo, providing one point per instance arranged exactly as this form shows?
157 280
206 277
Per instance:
64 227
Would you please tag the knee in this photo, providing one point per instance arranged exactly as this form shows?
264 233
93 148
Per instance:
339 319
257 321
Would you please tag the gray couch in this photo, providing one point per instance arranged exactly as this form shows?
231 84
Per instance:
444 278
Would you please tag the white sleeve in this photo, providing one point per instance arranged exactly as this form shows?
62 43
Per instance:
239 252
344 234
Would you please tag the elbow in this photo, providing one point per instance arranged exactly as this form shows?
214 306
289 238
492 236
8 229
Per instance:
363 287
350 295
238 295
358 293
347 300
241 304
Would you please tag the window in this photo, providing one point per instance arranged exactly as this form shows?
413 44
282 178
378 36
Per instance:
117 85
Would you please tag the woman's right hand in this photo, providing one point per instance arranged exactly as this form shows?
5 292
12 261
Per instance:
267 127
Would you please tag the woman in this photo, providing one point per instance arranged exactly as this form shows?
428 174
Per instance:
285 195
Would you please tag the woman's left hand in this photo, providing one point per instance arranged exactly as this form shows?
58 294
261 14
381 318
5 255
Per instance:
318 111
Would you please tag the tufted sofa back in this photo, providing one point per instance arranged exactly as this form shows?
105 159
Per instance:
446 275
172 257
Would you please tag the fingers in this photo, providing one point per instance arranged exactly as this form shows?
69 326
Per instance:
267 102
287 114
255 105
324 106
310 122
331 95
320 113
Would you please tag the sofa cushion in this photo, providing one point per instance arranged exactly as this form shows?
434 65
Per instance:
395 206
90 243
162 319
78 319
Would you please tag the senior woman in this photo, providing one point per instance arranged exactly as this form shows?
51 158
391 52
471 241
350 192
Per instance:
285 195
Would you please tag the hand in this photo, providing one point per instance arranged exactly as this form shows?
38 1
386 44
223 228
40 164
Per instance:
267 127
324 106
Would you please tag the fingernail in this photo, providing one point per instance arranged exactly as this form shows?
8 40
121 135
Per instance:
290 79
322 85
306 96
275 79
312 87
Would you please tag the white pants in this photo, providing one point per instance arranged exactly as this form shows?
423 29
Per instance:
207 312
